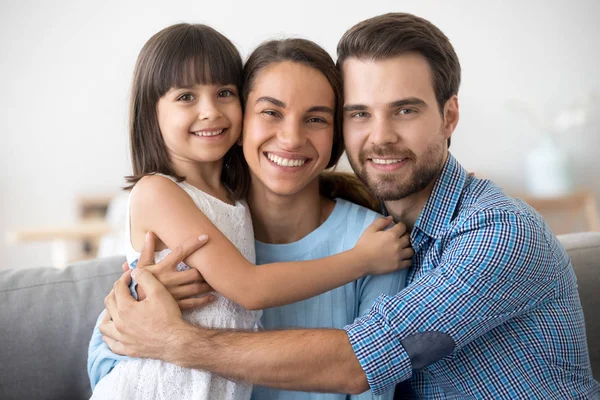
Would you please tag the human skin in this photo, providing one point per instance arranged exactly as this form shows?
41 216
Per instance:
308 360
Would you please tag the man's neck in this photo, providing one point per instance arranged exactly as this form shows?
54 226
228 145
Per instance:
286 219
408 209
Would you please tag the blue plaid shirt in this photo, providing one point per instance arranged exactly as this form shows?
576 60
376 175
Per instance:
491 308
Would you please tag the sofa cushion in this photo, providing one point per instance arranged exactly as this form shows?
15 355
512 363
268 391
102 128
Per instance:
46 322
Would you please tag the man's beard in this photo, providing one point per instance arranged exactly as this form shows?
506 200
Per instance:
398 185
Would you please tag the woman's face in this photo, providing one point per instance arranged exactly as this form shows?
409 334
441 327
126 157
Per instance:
288 127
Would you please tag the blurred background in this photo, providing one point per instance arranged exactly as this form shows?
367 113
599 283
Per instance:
530 103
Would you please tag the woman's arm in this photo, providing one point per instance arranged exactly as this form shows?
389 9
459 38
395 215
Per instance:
159 205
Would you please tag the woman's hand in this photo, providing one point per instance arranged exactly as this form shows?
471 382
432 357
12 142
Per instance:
385 251
182 285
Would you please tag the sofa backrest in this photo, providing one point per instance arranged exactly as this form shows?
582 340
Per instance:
584 250
47 316
46 320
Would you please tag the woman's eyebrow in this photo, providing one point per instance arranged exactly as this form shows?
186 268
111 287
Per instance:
323 109
271 100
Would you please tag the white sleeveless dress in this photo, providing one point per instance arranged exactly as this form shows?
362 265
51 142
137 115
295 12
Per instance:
154 379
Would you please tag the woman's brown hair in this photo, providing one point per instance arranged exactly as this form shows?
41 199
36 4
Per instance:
180 55
306 52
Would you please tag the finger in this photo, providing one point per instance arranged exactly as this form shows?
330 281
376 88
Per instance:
148 283
114 345
180 277
147 254
189 290
121 292
404 264
181 252
407 253
125 267
404 240
110 304
109 330
105 318
195 302
379 224
399 229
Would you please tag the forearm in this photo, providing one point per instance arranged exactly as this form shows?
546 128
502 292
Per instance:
277 284
306 360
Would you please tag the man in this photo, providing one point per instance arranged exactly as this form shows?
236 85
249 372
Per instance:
491 309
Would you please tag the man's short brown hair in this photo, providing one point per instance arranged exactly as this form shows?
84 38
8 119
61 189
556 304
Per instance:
390 35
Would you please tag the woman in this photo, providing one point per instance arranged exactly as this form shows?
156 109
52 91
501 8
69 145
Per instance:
293 100
292 95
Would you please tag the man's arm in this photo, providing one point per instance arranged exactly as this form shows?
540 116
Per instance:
306 360
498 266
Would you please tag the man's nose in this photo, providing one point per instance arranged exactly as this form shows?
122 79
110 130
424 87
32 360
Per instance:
383 132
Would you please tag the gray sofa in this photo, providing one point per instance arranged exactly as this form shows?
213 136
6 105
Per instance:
47 317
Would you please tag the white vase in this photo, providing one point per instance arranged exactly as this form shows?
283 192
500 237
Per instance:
548 171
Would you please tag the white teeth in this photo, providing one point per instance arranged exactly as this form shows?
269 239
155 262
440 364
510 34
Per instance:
209 133
285 162
386 162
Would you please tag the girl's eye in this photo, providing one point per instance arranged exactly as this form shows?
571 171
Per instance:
185 97
226 93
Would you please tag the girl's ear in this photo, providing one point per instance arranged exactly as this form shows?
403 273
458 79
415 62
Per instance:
240 140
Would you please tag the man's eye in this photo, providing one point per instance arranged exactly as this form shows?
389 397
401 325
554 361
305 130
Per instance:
405 111
226 93
359 114
186 97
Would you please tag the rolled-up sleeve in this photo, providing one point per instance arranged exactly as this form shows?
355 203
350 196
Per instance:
495 266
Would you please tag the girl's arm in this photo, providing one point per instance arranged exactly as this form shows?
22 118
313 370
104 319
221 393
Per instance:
159 205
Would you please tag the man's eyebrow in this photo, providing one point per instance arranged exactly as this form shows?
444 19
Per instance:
323 109
410 101
355 107
271 100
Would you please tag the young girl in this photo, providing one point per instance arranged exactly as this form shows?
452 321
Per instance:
186 120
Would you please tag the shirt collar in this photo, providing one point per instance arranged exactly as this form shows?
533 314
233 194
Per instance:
441 205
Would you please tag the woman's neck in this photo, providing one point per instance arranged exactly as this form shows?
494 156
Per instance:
281 219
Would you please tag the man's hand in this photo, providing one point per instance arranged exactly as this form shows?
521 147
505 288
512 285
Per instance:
182 285
142 328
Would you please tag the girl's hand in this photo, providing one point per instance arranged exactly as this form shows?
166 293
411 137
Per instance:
384 251
182 285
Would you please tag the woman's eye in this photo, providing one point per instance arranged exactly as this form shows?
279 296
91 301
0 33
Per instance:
270 113
316 120
186 97
226 93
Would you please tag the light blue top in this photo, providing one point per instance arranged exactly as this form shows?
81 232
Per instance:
336 308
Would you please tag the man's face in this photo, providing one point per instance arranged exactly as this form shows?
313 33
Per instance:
395 135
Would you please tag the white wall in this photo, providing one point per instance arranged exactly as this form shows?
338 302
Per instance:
66 69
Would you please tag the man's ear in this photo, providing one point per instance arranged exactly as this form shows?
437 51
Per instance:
451 116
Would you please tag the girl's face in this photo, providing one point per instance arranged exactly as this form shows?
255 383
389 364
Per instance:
199 123
288 127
